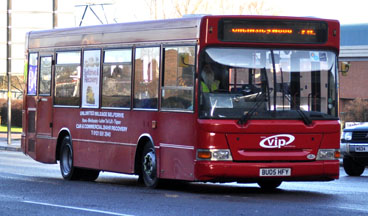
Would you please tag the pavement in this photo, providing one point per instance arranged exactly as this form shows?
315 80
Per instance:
14 144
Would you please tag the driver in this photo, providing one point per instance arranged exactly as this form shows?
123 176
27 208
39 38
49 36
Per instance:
208 83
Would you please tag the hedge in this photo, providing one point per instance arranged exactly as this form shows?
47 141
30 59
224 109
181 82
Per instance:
16 112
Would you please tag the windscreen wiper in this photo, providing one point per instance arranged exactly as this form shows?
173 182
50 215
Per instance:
261 96
307 121
258 101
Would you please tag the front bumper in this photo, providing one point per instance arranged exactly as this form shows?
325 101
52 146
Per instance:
353 149
216 171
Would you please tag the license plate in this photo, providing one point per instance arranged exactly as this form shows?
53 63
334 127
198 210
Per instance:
275 172
361 149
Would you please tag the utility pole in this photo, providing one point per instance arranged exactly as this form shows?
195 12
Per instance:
55 5
8 62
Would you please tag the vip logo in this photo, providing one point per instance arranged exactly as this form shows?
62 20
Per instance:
277 141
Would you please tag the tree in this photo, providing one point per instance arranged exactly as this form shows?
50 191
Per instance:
164 9
189 7
357 111
17 83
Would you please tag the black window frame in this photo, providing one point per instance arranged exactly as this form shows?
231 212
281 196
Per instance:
159 61
51 76
80 76
36 75
117 63
193 78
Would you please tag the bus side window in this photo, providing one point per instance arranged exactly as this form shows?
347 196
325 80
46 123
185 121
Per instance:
32 74
67 78
45 75
178 78
147 66
117 78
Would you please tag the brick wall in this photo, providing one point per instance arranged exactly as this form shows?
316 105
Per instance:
354 84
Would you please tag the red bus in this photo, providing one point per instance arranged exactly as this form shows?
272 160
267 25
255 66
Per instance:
251 99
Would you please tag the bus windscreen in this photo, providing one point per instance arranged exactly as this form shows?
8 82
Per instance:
273 31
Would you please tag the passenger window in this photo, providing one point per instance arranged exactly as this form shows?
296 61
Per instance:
147 62
67 78
32 74
178 78
116 78
45 75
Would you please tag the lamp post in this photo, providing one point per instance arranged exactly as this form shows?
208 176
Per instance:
8 63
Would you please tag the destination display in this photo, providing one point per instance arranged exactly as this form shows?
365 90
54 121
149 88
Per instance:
272 31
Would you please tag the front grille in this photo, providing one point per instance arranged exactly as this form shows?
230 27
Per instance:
360 136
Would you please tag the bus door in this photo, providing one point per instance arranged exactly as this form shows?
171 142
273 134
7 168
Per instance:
44 147
44 100
39 108
29 115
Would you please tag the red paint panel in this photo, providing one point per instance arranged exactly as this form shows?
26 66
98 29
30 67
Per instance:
331 141
86 154
176 137
176 162
248 147
45 151
117 158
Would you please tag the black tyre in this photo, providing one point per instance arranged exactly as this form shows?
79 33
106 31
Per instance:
352 168
88 174
68 171
149 166
269 185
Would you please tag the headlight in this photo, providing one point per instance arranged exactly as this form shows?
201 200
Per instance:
328 154
214 154
347 135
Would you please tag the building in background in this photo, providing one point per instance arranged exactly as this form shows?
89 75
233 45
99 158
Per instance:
354 49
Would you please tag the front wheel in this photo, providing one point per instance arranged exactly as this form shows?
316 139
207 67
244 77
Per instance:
352 168
269 185
149 166
68 171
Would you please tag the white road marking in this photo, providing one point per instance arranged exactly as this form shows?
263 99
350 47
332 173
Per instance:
354 208
77 208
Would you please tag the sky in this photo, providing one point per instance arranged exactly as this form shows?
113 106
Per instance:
347 12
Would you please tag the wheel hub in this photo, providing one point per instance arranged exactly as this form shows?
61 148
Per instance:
149 163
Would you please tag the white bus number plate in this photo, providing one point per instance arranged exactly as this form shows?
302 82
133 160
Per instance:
275 172
361 149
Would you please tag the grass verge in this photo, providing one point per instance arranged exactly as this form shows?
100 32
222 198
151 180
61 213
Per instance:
4 128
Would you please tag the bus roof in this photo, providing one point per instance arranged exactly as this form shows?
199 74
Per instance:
181 29
149 31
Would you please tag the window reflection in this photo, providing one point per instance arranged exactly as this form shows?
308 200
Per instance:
67 79
116 78
178 82
45 75
146 77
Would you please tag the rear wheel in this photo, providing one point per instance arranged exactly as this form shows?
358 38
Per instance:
269 185
68 171
352 168
149 166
